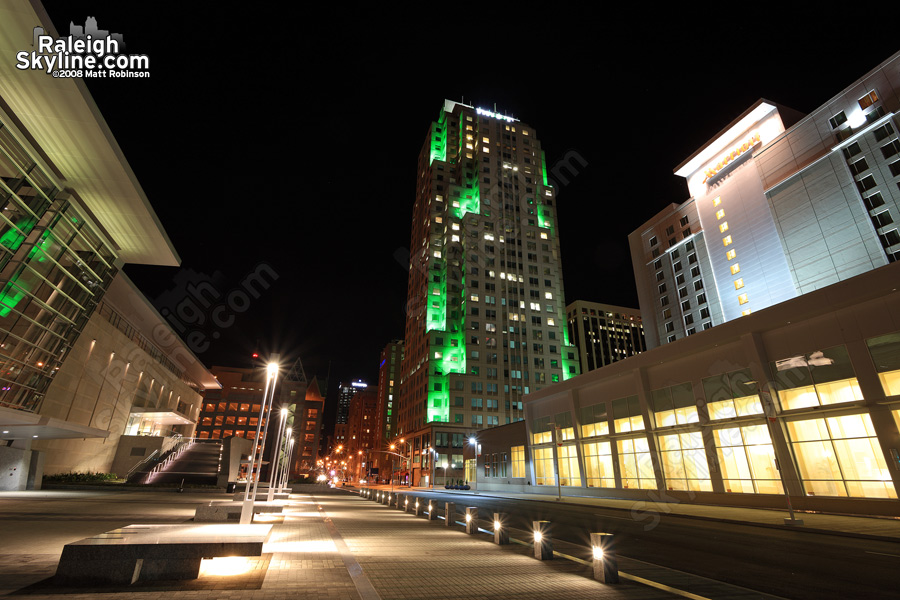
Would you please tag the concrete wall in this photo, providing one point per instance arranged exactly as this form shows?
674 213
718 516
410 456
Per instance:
20 467
92 388
132 449
234 449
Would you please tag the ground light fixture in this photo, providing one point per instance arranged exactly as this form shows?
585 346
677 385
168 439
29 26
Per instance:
598 552
538 536
468 518
497 525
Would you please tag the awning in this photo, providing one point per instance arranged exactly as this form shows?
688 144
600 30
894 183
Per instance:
21 425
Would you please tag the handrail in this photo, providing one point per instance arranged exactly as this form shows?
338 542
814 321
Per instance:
135 467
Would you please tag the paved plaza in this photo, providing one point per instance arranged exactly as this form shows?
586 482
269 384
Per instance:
328 545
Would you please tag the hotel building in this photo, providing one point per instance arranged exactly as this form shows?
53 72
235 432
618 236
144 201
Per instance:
604 334
485 312
780 205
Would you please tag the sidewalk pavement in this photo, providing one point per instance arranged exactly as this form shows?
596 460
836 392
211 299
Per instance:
331 545
863 526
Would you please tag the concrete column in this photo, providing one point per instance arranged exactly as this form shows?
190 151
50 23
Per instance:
543 545
398 500
449 513
605 563
431 510
418 506
501 530
471 520
407 505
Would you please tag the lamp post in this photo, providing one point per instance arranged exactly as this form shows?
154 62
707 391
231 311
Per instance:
407 458
276 455
268 395
286 462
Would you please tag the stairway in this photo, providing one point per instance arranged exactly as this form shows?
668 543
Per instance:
194 462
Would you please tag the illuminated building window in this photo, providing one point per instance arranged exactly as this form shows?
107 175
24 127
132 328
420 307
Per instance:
594 421
720 213
745 312
743 299
868 100
735 268
598 465
627 415
885 351
684 464
747 460
730 254
739 283
819 378
726 241
840 456
731 395
569 473
543 466
454 238
723 227
717 201
635 463
674 405
550 321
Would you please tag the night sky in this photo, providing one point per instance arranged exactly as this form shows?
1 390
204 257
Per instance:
289 139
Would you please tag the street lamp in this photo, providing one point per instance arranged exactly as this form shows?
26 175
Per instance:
276 456
265 408
407 458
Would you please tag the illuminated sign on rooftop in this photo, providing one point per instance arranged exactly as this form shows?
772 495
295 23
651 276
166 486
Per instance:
488 113
359 384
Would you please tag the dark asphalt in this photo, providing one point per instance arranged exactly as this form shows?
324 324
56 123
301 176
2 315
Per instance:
789 563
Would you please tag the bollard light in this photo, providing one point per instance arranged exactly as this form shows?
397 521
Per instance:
605 563
471 520
543 544
468 517
501 535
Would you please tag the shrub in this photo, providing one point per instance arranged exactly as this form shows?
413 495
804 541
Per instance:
78 477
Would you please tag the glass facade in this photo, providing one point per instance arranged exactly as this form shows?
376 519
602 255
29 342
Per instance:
747 460
683 460
598 465
837 454
635 464
55 269
815 379
885 351
840 456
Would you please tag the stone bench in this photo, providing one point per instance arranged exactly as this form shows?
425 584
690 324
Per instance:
231 511
155 552
263 496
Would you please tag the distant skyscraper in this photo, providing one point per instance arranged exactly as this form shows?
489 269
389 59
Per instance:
780 205
485 312
346 391
604 333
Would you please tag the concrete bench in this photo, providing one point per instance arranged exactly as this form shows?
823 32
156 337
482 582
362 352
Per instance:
263 496
231 511
155 552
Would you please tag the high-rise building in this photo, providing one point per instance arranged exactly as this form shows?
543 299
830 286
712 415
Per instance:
346 391
388 385
780 206
604 334
485 312
362 431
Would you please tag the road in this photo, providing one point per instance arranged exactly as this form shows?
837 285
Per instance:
784 562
